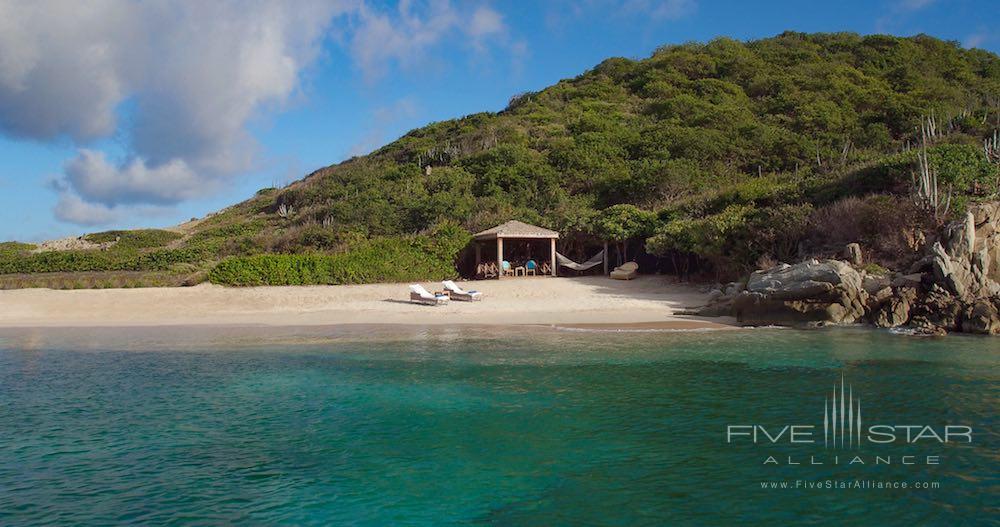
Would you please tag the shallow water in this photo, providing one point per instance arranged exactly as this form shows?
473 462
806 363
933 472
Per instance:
500 426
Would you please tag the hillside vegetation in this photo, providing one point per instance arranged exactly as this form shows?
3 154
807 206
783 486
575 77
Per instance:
710 157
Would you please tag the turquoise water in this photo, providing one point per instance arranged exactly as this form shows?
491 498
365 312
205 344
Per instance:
425 426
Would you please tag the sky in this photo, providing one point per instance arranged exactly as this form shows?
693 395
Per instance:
125 114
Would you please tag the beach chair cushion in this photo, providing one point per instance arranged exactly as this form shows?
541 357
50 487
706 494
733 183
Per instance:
625 271
459 293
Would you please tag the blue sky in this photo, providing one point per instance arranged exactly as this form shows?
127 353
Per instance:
105 127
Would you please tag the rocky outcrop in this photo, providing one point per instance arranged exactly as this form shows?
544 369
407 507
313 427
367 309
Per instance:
955 287
983 317
813 291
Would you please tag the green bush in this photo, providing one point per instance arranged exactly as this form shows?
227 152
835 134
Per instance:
137 239
390 259
13 249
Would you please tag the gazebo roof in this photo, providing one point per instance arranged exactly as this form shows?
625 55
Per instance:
515 229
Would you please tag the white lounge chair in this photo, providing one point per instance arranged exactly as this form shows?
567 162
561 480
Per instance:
460 294
625 271
421 296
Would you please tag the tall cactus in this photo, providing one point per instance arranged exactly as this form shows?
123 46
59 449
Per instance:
925 184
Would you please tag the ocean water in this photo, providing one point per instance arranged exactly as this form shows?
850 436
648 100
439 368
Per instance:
486 426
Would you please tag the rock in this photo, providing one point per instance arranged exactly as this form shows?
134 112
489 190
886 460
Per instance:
908 280
981 317
960 237
894 313
939 308
718 309
926 327
874 283
732 288
829 291
922 265
852 253
714 295
953 273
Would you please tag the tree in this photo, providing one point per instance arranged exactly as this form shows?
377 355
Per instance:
620 223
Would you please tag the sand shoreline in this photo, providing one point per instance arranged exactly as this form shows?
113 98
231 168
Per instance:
579 303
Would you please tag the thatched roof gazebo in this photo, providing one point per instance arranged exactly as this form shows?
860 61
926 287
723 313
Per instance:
515 230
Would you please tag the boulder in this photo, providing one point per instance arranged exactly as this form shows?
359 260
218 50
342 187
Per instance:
908 280
829 291
732 288
938 307
852 253
714 295
953 273
894 313
875 283
981 317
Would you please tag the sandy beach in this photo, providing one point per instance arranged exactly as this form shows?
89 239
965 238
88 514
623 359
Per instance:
598 302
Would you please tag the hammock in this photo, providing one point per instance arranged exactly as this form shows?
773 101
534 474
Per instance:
594 261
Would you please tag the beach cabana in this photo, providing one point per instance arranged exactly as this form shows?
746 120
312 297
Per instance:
515 231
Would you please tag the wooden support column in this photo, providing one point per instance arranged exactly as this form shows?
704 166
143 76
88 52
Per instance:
605 258
554 265
479 255
499 257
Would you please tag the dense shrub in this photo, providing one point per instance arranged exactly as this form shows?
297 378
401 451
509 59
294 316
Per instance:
137 239
397 259
14 249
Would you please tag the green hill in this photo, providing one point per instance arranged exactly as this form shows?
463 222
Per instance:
712 156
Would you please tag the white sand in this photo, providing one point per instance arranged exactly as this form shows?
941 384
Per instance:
542 300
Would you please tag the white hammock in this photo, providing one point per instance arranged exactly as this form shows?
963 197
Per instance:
594 261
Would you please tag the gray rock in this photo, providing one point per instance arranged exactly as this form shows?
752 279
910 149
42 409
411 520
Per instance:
829 291
874 283
852 253
908 280
894 313
981 317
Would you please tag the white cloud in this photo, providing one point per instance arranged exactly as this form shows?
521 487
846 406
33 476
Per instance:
175 83
188 76
98 181
404 38
71 209
977 39
485 23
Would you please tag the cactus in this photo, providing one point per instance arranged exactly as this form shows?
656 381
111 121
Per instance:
925 185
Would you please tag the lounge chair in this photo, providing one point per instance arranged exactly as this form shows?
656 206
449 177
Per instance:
625 271
545 269
506 268
460 294
421 296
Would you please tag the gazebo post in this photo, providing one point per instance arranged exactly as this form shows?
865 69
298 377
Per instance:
553 240
479 254
499 257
